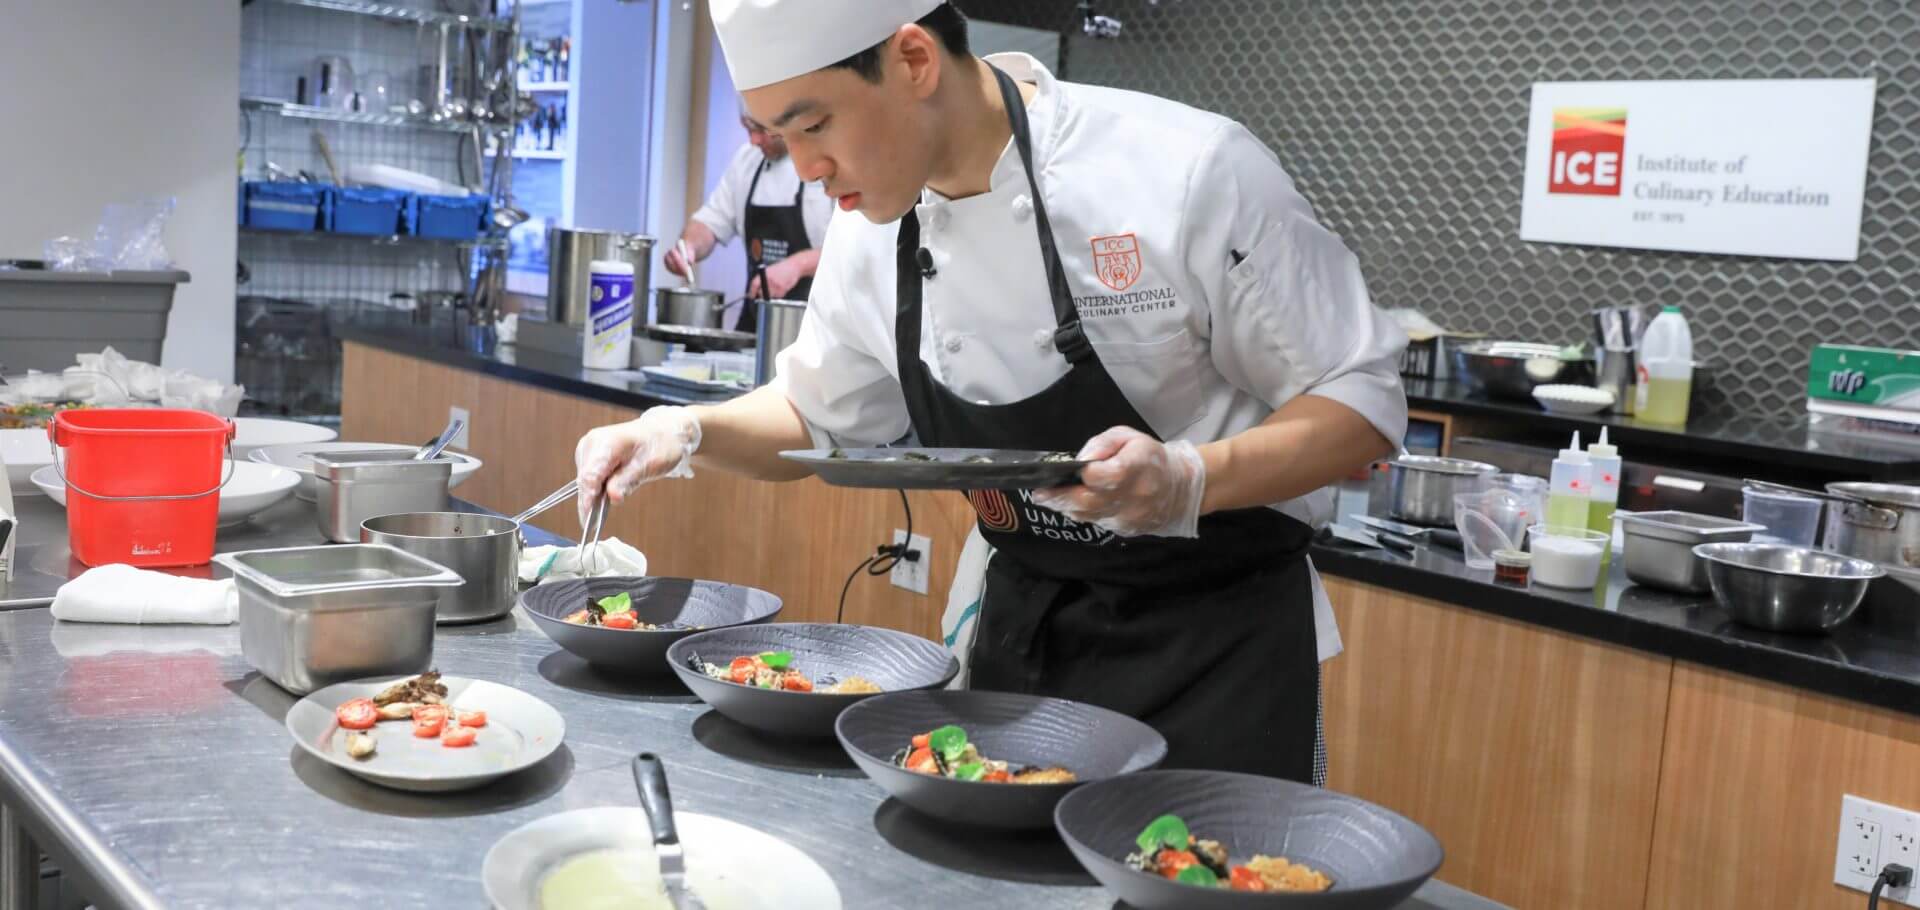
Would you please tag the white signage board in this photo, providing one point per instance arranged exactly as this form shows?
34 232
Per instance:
1763 167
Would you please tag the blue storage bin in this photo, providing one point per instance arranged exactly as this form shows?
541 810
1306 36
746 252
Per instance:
240 199
447 217
285 206
366 210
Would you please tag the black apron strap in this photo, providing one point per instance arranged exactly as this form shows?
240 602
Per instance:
1068 338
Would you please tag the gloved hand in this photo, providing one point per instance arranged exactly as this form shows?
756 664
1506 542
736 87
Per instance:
621 457
1138 486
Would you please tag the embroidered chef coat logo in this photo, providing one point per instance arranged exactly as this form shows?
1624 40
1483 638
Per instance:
999 513
1116 260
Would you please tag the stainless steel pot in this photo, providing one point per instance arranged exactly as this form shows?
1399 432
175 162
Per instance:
1783 588
570 256
1509 369
483 549
1420 488
696 307
1876 521
779 326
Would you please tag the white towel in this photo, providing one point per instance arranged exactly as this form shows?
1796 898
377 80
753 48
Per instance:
612 557
120 593
961 622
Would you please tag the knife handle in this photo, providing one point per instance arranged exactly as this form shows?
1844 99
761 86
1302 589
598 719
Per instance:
651 777
1395 542
1440 537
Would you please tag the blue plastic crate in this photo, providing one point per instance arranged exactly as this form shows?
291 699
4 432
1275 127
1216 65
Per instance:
283 206
447 217
367 210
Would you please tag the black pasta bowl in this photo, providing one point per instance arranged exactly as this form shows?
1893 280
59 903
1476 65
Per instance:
1376 857
895 661
1094 743
690 606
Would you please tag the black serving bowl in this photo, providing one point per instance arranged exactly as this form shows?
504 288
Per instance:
682 601
895 661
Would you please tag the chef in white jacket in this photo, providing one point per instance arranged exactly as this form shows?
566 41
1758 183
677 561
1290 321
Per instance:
1024 263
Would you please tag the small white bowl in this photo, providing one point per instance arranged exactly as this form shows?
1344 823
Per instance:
1573 399
257 432
298 457
254 488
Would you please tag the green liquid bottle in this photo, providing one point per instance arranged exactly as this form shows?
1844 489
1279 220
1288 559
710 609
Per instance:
1570 495
1606 484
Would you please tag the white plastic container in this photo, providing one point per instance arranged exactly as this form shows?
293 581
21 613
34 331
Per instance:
1567 557
1665 382
608 336
1570 489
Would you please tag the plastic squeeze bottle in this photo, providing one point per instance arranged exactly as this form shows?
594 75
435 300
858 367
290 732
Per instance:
1606 484
1571 489
1666 369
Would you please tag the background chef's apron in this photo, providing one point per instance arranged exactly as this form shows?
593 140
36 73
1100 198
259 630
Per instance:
773 233
1210 640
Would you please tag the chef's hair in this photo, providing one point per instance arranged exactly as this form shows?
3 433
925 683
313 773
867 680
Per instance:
946 22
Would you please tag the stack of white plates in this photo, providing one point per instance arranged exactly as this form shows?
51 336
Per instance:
1573 399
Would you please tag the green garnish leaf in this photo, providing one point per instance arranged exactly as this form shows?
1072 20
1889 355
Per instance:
1197 874
1165 831
618 603
777 660
950 741
972 770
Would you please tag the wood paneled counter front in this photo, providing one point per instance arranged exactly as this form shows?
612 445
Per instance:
1634 753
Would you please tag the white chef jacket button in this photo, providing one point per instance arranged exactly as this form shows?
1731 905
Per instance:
1022 207
1042 339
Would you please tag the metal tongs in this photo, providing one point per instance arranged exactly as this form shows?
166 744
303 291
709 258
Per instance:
590 533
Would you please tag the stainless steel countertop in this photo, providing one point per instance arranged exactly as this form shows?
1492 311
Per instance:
156 759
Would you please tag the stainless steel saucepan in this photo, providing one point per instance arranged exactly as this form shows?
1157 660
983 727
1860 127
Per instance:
1420 488
482 549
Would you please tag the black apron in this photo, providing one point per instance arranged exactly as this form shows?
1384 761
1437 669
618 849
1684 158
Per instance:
773 233
1210 640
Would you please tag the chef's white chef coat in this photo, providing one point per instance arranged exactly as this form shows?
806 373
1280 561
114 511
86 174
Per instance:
725 211
1238 301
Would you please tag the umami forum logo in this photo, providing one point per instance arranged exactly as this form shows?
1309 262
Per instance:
1588 145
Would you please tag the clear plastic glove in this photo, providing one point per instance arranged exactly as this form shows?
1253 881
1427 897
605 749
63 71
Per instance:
619 458
1139 486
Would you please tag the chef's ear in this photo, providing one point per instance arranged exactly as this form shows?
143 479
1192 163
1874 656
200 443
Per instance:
919 53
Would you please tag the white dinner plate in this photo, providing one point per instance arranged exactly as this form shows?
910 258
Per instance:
254 432
254 488
729 865
521 732
298 457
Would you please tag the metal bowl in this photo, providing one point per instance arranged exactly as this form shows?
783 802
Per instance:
692 605
895 661
1092 742
1377 858
1784 588
1512 370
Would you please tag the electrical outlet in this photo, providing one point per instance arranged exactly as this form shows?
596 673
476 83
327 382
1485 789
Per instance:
1871 836
912 573
462 440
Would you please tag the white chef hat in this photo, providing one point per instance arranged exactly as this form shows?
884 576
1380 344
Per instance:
769 41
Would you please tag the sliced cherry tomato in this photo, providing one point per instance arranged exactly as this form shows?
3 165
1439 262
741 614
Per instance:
358 714
456 737
742 669
1245 879
620 621
921 741
1172 861
921 760
794 682
472 718
997 777
429 720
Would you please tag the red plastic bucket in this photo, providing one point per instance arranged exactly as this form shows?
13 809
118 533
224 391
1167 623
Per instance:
143 484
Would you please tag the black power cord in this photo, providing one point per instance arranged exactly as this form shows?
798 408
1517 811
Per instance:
1893 875
883 560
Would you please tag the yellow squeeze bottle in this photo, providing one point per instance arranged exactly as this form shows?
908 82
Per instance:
1606 484
1570 493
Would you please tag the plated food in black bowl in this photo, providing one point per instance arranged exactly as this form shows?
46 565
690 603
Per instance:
993 759
1213 840
626 624
793 679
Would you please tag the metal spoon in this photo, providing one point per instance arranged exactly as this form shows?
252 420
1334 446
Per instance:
432 450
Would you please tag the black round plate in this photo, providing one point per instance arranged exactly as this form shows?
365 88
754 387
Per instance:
895 661
939 469
1377 858
1094 743
708 604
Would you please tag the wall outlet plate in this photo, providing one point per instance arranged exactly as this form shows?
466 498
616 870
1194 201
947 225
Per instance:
912 573
1871 836
462 440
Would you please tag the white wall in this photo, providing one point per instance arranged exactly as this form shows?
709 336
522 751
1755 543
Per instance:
118 101
726 269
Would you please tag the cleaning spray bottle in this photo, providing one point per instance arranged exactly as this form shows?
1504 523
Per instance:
1606 484
1571 490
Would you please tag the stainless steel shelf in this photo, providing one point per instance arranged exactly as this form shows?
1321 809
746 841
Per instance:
372 240
397 13
308 112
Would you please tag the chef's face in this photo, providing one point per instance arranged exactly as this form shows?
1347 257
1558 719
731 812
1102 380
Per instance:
871 143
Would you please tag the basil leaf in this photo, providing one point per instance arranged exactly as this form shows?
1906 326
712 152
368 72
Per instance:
618 603
972 770
950 741
1165 831
777 660
1197 874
